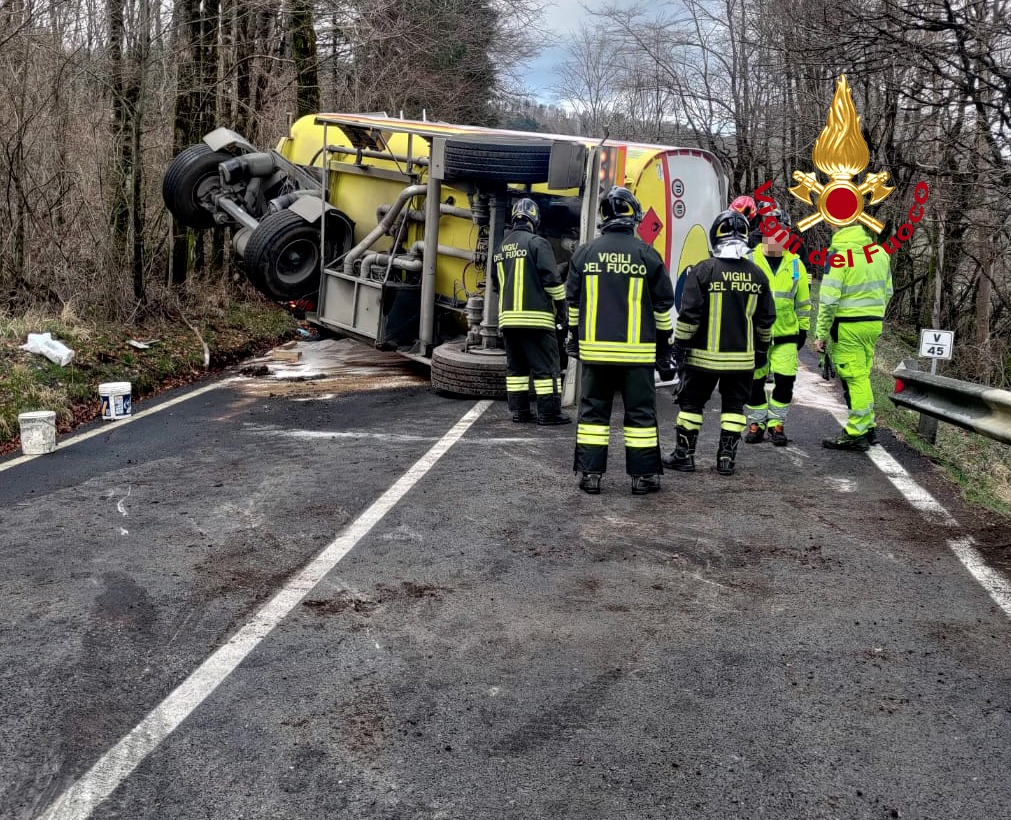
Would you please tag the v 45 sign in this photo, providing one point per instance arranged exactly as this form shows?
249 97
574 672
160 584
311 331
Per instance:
936 344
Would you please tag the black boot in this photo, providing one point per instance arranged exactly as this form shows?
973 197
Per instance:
844 441
643 484
590 483
727 453
519 404
683 458
549 410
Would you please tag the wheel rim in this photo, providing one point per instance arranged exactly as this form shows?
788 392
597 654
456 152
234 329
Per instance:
298 259
204 190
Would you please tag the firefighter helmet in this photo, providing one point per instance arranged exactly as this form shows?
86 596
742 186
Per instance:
619 208
746 205
728 225
526 209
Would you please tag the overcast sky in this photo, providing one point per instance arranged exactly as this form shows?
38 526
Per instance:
562 16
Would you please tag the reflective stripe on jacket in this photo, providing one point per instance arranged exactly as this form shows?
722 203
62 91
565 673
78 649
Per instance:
790 290
727 314
526 281
619 296
854 292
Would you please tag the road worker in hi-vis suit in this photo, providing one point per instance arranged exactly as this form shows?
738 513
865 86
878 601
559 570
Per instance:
531 295
792 294
722 334
851 308
620 297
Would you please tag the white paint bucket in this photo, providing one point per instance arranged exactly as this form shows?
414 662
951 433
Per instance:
38 432
115 400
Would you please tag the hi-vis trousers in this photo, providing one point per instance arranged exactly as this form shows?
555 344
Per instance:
852 352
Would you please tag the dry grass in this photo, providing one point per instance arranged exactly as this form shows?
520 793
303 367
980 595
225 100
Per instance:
981 467
232 327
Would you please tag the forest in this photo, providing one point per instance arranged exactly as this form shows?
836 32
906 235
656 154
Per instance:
97 96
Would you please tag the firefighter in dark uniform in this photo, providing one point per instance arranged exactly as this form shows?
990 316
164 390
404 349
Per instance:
723 331
619 296
531 295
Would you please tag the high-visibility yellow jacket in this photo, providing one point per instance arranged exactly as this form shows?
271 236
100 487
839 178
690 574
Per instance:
727 313
619 296
854 293
790 291
526 280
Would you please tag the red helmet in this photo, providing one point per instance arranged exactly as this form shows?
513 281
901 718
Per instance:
746 205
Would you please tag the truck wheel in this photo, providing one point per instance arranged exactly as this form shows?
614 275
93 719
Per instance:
189 184
468 374
500 160
282 256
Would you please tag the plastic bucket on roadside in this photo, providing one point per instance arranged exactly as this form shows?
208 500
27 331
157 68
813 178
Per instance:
115 400
38 432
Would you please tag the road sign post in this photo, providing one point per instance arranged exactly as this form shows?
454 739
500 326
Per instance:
934 344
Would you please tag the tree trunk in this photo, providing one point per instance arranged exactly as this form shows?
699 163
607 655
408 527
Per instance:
303 51
195 102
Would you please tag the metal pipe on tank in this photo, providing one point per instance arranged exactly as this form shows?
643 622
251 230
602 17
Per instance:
372 154
418 249
380 230
398 262
490 337
430 252
417 215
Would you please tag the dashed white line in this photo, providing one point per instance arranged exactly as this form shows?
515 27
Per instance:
81 799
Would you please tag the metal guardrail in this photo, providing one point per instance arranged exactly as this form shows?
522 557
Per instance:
976 407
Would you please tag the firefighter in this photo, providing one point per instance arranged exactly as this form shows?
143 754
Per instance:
722 334
531 295
620 296
791 292
851 308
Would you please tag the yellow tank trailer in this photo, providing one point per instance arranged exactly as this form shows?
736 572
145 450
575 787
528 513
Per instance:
384 225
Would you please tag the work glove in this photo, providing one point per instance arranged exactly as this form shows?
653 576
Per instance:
825 365
678 355
572 343
665 365
801 338
560 317
761 359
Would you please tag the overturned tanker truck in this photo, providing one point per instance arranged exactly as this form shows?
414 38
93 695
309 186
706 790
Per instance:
385 226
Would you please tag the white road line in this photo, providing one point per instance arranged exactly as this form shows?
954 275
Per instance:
995 584
923 501
81 799
113 425
991 580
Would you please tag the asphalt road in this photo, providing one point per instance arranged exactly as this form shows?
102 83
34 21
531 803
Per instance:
795 641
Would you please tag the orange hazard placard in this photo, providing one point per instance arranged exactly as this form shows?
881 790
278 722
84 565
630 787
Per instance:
650 227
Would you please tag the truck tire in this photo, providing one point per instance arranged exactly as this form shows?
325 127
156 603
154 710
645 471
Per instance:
282 259
189 183
500 160
468 374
